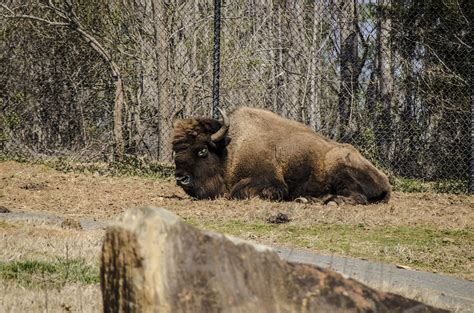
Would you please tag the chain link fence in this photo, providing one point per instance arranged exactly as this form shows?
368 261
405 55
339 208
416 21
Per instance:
393 78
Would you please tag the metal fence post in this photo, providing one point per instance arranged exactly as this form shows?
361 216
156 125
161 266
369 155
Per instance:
472 125
216 58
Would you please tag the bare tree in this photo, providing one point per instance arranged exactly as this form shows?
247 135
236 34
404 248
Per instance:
317 46
68 18
164 109
351 64
348 63
278 63
385 72
295 57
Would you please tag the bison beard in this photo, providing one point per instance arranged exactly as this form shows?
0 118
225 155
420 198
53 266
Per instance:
256 153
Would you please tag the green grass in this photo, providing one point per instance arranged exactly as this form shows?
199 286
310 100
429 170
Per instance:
448 251
411 185
456 186
41 274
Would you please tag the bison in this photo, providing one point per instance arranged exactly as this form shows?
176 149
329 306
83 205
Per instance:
256 153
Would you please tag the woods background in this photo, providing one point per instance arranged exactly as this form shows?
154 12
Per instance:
100 80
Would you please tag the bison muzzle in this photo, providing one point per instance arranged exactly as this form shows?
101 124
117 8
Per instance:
256 153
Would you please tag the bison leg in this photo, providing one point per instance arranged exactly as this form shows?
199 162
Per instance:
307 199
271 189
353 198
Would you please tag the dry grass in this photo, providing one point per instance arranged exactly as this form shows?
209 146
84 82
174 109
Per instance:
427 231
46 268
79 195
45 242
70 298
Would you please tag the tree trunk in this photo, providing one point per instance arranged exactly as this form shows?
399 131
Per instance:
164 103
191 66
118 108
349 66
385 72
278 76
147 92
293 62
315 72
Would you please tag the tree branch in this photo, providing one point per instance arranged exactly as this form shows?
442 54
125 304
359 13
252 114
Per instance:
57 10
32 17
70 22
35 18
7 8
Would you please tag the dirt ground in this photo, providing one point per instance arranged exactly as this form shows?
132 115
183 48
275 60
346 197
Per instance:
26 187
38 188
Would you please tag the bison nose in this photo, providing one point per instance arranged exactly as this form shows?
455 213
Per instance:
183 180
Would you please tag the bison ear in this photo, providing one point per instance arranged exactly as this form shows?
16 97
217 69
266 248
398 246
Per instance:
220 145
227 140
210 125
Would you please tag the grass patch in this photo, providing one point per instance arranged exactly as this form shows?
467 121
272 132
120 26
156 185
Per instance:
411 185
448 251
456 186
41 274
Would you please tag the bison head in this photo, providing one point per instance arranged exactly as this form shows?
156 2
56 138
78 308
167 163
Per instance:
199 146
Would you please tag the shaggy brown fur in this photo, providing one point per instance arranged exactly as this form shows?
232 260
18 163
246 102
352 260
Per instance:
271 157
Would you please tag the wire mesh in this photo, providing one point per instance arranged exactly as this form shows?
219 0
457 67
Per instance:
390 77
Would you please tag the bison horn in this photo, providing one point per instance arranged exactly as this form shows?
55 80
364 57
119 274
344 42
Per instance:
220 134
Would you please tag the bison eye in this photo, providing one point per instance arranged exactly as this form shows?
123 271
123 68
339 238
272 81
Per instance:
202 153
